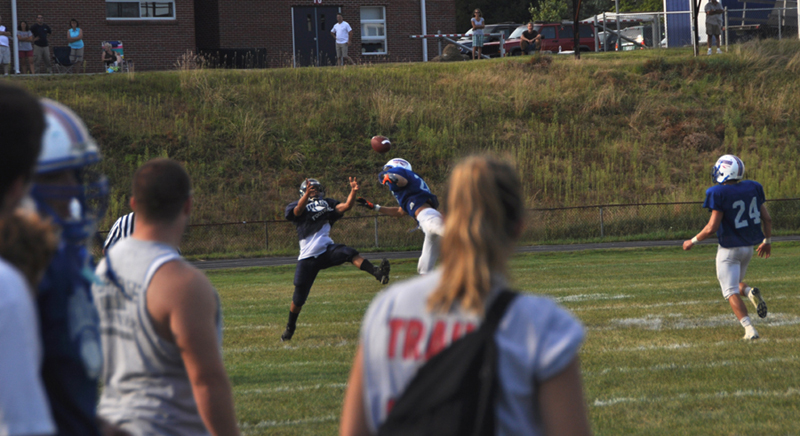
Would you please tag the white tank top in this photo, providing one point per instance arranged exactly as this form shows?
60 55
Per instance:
145 381
536 339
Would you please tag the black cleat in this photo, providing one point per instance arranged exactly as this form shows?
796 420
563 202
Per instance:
383 272
287 334
761 306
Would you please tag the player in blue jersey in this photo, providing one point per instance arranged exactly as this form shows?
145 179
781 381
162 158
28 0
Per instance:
313 215
68 189
416 200
738 213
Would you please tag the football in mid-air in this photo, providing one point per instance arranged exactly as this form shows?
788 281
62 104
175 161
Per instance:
381 144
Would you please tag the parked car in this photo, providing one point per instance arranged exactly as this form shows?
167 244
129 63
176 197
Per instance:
491 44
554 36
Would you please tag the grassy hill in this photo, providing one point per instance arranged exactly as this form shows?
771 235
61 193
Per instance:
616 127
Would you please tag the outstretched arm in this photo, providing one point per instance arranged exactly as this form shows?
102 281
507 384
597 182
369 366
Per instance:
351 199
765 248
708 230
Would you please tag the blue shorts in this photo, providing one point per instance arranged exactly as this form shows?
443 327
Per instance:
308 268
477 40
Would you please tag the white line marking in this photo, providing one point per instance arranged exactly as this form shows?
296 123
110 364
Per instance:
287 388
673 366
270 424
679 322
790 392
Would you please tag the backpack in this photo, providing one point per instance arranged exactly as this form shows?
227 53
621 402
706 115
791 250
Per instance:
453 393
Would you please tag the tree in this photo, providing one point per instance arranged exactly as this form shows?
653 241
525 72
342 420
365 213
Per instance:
641 5
513 11
550 10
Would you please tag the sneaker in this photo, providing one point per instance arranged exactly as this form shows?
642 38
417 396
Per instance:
750 334
758 302
709 52
383 272
287 334
719 51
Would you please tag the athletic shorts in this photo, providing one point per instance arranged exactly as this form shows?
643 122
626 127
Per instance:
25 54
341 50
477 40
713 29
731 268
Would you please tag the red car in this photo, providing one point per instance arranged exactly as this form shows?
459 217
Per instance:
554 36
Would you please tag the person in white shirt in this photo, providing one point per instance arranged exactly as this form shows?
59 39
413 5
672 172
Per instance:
5 48
539 384
714 12
23 405
343 34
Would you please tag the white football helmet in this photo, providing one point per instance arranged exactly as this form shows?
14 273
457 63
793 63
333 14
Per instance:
312 182
728 167
68 147
397 162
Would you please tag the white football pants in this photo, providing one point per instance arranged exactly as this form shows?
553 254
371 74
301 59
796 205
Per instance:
432 224
731 268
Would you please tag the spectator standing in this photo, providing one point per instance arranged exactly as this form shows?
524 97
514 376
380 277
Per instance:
25 37
23 403
539 383
161 321
714 11
5 48
530 40
41 48
478 23
343 34
75 40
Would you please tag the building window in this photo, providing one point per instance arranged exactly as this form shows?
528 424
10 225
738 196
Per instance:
135 10
373 30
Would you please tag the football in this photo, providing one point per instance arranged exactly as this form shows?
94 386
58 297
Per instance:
381 144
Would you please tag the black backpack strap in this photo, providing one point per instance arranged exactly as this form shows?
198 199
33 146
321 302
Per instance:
484 419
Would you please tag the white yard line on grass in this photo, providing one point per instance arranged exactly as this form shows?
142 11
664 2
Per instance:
676 321
245 426
289 388
670 347
674 366
790 392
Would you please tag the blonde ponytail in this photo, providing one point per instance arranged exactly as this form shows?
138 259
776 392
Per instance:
484 210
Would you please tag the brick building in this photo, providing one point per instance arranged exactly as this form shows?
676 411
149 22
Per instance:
276 32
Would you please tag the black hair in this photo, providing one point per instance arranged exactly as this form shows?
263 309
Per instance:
19 26
21 127
77 24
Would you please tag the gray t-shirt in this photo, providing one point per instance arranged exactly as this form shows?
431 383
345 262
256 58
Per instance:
146 387
716 19
25 45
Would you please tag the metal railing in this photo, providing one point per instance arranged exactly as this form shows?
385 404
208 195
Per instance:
543 225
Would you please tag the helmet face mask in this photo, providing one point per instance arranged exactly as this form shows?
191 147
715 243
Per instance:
68 185
397 162
316 184
727 168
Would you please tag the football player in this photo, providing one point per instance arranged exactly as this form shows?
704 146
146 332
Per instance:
738 214
416 200
313 215
69 189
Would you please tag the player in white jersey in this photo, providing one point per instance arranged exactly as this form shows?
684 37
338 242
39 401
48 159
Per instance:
738 212
161 321
538 371
24 408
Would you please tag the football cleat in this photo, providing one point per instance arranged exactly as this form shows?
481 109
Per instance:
383 272
758 302
287 334
750 334
728 167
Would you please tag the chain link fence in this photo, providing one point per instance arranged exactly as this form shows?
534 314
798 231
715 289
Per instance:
551 225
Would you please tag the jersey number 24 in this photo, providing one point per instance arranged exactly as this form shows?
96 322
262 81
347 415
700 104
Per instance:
753 211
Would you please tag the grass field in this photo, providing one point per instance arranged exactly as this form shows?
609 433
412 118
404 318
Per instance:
663 354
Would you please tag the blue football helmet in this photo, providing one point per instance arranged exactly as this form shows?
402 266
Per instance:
68 185
312 182
728 167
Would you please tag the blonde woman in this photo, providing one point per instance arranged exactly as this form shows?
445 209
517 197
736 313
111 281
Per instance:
539 384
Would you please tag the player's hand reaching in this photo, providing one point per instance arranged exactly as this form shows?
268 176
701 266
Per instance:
363 202
687 244
389 178
353 184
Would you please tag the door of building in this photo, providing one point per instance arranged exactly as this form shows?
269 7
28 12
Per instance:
313 43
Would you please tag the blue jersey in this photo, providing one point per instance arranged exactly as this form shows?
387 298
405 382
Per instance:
318 213
740 204
415 194
71 340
